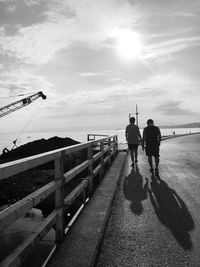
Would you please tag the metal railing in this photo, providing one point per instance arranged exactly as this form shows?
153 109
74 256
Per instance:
95 165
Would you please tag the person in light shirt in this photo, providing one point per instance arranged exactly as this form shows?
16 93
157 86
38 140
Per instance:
133 138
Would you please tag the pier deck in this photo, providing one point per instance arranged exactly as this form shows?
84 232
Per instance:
156 222
133 218
153 222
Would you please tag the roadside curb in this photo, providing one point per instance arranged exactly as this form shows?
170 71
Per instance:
81 246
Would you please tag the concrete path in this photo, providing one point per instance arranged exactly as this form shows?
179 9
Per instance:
81 245
156 222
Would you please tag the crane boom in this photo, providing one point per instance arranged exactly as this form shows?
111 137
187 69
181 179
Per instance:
20 103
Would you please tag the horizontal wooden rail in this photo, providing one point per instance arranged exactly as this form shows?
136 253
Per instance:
94 136
75 171
75 193
99 154
17 257
21 207
22 165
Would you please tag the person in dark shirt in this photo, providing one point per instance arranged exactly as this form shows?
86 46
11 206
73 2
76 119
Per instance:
151 143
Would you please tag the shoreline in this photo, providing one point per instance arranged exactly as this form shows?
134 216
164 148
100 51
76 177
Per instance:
6 139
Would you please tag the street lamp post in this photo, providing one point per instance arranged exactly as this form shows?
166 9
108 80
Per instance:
136 115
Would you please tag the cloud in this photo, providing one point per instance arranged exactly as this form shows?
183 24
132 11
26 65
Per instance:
90 22
153 95
90 74
67 22
183 14
34 44
23 81
116 79
32 2
95 74
65 48
11 8
170 47
104 100
173 108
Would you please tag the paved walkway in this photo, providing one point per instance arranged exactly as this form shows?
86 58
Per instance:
156 222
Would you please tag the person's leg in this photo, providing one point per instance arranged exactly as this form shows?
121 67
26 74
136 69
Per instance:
135 148
150 162
157 162
132 155
136 155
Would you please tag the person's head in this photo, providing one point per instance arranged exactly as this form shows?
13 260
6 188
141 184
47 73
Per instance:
150 122
132 120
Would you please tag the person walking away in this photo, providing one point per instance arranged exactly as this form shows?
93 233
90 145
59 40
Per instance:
133 138
151 143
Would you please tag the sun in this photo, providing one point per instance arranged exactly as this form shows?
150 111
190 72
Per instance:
128 43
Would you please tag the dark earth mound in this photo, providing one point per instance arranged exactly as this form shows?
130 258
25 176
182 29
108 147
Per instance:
18 186
36 147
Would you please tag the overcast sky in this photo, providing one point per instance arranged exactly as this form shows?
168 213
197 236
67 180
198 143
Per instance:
73 51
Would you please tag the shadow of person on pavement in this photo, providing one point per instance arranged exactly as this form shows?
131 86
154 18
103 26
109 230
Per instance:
135 191
171 211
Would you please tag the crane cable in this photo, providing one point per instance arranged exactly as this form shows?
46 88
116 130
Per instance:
27 123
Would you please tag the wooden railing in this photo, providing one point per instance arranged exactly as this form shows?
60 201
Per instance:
91 137
95 165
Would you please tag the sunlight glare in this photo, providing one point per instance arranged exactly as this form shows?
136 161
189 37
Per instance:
128 43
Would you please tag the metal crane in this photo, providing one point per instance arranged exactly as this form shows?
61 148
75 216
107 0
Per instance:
20 103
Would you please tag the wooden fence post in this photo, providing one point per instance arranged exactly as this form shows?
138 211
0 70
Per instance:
101 161
109 151
116 143
90 168
59 197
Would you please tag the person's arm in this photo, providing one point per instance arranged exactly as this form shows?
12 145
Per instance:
139 135
143 139
126 133
159 136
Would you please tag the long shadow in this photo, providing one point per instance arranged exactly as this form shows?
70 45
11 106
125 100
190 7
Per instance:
135 191
171 211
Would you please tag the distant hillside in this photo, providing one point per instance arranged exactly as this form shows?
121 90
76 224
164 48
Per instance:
188 125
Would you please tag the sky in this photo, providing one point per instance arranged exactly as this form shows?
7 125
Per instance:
96 59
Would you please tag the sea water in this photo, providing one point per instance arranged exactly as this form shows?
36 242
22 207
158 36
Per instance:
6 139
